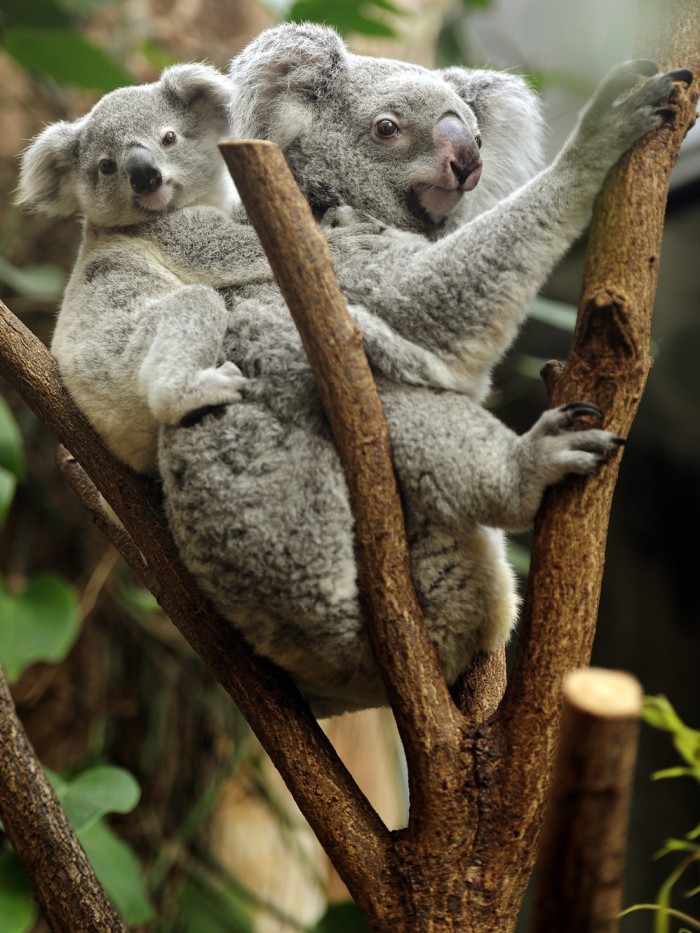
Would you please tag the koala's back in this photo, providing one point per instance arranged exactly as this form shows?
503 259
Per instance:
258 505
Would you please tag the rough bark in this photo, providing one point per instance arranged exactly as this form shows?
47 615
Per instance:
581 864
69 894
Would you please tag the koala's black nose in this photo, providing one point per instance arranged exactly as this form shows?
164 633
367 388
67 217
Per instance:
142 170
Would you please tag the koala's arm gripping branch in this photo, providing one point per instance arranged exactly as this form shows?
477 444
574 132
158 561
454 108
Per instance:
301 262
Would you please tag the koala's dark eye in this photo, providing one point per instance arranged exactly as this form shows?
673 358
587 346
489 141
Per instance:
107 166
477 139
386 128
169 138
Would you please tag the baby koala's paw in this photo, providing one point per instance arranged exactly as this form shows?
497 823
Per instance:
211 388
183 399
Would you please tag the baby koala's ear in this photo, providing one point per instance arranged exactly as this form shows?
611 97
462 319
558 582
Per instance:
198 88
47 171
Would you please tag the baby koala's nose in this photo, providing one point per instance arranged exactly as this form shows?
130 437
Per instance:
142 171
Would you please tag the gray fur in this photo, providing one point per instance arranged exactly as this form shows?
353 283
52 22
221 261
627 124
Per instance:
254 493
139 336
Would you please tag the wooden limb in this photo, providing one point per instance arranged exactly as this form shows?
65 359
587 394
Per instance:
340 815
608 365
428 722
69 894
581 864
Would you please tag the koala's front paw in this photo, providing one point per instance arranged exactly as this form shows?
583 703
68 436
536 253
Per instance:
615 124
182 401
559 451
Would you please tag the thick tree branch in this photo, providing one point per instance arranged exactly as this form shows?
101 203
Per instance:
340 815
427 720
70 896
581 865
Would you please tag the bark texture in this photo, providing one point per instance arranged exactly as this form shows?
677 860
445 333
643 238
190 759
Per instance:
582 860
69 894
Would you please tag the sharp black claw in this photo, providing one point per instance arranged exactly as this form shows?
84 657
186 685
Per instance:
620 441
666 113
578 409
682 74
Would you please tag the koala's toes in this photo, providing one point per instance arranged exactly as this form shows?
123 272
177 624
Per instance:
581 452
555 420
573 410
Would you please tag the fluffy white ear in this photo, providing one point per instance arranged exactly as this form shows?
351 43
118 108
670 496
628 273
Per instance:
197 87
279 74
46 180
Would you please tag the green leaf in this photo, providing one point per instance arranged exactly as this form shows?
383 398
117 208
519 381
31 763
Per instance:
11 453
347 17
93 793
210 910
341 918
555 313
8 484
41 13
119 872
42 282
40 624
17 906
67 57
671 773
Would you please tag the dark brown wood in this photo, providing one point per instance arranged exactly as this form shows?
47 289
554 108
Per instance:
69 894
427 720
581 864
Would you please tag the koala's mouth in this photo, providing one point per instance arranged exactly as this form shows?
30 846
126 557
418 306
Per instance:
436 201
156 201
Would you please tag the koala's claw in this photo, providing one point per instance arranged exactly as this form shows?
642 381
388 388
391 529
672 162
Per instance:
682 74
580 409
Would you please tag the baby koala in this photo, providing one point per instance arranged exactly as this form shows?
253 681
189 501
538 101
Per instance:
139 335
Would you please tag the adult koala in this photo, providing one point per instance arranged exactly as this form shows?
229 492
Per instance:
254 492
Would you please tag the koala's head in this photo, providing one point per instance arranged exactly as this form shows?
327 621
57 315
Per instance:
140 151
419 149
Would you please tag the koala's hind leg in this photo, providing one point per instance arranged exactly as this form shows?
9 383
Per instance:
183 373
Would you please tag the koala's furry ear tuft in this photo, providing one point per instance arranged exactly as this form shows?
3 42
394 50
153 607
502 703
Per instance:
280 76
196 87
47 171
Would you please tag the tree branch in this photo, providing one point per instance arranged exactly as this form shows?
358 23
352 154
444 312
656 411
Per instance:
608 365
70 896
340 815
427 720
581 864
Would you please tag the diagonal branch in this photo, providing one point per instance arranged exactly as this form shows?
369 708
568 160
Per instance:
427 720
342 818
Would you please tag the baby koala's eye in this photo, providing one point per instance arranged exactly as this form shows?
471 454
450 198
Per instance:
107 166
386 128
168 138
477 139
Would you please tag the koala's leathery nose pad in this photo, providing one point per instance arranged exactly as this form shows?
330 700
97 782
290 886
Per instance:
467 175
142 171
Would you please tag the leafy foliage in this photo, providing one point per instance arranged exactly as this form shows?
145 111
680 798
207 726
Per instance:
659 713
86 799
43 36
367 17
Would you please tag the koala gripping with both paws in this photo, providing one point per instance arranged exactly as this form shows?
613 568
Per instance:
452 230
